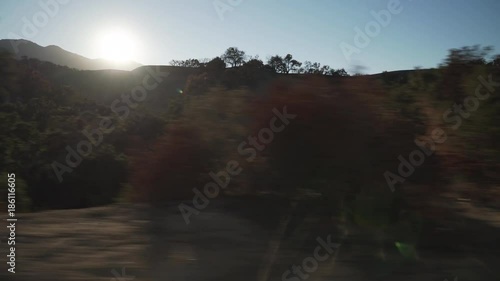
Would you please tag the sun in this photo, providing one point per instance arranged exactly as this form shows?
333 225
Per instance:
117 45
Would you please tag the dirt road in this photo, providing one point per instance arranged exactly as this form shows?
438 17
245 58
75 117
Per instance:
229 240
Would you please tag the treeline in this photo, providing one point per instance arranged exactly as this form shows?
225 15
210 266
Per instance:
233 57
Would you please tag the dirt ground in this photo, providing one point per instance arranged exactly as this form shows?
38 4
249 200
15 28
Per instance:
229 240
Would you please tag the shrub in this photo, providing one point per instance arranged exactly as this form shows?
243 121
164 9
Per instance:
172 167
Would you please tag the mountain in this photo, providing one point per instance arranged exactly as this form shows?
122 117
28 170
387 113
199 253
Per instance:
54 54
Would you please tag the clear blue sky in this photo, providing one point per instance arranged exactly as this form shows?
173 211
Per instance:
419 35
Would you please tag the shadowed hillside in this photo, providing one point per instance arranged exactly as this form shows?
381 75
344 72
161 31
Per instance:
259 159
56 55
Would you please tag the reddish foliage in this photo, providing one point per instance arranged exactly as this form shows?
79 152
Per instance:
339 134
171 168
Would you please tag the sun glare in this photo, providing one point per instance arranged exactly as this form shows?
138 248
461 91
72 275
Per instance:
117 45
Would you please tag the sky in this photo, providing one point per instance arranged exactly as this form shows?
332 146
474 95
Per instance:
418 32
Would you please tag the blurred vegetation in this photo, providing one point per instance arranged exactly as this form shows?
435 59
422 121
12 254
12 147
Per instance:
348 130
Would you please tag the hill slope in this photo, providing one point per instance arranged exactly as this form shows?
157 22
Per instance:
59 56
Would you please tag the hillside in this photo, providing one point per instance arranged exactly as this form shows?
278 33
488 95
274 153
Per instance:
256 159
57 107
56 55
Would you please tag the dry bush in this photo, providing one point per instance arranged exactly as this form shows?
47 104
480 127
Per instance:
342 141
343 138
202 140
172 167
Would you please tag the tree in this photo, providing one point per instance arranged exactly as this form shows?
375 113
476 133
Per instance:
325 70
339 72
290 65
468 55
253 73
276 63
192 63
495 61
175 63
284 65
234 57
254 64
311 68
186 63
458 64
216 65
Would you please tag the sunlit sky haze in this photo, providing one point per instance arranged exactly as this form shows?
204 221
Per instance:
157 31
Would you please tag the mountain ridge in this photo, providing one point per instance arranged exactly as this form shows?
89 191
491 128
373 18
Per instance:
57 55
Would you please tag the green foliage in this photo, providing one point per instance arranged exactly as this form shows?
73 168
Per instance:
39 118
480 132
438 90
408 97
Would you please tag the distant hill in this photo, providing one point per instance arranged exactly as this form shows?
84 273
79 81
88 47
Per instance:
59 56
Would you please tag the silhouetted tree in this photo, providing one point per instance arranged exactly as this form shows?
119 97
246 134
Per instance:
311 68
339 72
325 70
234 57
458 64
175 62
290 64
192 63
468 55
215 67
254 63
283 65
254 72
276 63
495 61
186 63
